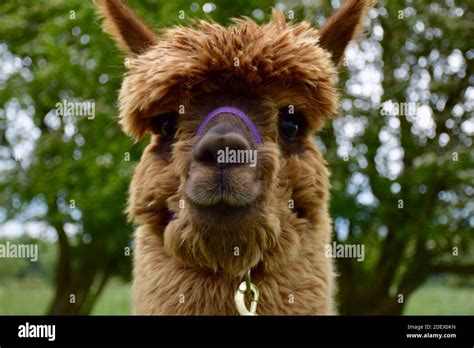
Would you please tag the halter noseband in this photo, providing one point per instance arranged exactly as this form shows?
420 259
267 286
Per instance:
236 112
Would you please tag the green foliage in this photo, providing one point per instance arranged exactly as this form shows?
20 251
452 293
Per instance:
22 268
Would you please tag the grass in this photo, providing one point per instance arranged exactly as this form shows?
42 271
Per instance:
115 300
24 299
32 298
437 299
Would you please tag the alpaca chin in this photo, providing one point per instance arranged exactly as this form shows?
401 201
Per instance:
231 248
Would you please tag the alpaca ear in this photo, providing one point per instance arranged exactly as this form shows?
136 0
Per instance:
343 26
130 33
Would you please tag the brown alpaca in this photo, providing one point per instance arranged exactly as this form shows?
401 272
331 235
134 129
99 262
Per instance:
203 223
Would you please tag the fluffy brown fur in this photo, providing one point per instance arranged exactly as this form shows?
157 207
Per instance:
191 264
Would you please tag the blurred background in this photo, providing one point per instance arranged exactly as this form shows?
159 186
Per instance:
401 185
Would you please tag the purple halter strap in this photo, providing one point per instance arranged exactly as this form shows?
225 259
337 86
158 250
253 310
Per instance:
234 111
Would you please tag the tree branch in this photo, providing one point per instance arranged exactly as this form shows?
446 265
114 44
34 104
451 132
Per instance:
63 272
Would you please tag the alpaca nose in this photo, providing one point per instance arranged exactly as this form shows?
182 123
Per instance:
215 146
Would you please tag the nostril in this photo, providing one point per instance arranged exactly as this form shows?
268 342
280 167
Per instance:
206 149
212 146
204 153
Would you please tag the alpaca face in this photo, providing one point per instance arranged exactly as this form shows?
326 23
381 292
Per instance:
218 198
221 214
224 191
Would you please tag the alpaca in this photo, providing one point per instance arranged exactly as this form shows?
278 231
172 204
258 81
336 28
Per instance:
204 223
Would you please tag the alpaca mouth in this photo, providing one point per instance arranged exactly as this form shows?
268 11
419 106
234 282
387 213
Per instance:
225 186
229 193
230 187
218 200
221 214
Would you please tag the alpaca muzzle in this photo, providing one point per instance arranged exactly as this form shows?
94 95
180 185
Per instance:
224 161
226 142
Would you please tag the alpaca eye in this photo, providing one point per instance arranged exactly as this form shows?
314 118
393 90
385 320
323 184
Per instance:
168 128
164 125
290 125
289 128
